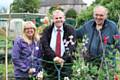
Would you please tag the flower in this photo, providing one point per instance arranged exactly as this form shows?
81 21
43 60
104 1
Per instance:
68 43
78 71
66 78
106 39
116 36
40 75
84 43
45 20
65 41
71 37
116 77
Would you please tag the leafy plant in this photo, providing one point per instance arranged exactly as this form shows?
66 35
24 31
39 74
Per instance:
83 70
71 13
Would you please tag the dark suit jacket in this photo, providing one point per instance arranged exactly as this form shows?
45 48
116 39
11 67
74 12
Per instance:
48 53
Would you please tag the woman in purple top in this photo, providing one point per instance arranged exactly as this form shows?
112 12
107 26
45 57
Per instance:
26 53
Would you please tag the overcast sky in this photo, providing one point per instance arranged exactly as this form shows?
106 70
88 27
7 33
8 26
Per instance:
6 3
88 2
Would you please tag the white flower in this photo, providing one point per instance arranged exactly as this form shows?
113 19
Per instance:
72 43
66 45
70 40
40 75
67 49
83 40
85 48
65 41
78 71
66 78
71 37
83 44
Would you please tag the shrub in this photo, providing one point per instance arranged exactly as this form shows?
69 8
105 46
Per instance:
71 13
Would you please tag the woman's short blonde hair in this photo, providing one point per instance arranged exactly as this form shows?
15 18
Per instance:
36 36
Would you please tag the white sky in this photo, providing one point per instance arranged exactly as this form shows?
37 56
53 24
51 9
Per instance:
5 3
88 2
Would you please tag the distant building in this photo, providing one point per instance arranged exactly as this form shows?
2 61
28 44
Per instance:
14 21
78 5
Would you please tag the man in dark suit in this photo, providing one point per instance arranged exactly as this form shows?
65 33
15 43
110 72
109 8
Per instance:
58 44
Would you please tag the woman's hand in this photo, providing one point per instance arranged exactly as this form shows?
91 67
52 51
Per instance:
31 70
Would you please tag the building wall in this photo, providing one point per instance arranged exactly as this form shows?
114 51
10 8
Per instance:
78 8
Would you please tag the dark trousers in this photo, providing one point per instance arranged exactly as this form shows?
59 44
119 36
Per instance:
22 78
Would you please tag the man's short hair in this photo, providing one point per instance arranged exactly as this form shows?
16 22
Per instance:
102 7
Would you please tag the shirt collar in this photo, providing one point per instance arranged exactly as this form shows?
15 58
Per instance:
104 24
55 28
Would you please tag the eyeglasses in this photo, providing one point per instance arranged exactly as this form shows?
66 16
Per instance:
29 28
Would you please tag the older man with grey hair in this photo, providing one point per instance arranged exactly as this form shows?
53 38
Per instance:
100 33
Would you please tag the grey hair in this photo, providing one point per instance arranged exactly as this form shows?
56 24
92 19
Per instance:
102 7
58 11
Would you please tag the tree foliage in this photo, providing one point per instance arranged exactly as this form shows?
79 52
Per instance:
84 16
114 10
55 7
113 7
71 13
31 6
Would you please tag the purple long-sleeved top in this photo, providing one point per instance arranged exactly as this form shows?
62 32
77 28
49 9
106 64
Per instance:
25 56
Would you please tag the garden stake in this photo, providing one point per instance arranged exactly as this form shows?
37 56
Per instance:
103 55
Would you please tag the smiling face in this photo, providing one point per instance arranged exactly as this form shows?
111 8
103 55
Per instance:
100 14
58 18
29 29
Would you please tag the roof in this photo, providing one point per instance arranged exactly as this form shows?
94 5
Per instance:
61 2
21 15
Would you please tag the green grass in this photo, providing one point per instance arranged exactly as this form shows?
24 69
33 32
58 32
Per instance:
10 69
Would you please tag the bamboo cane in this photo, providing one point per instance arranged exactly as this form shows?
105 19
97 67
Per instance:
6 51
6 54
